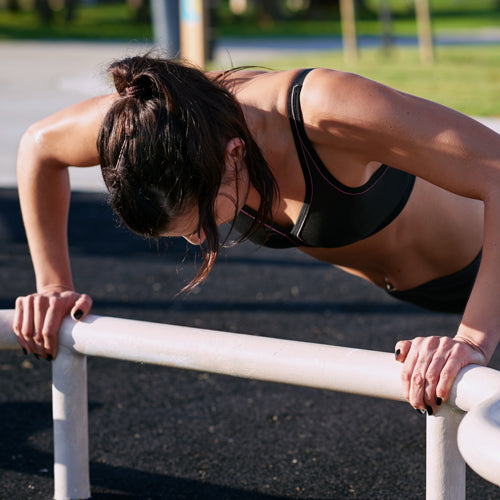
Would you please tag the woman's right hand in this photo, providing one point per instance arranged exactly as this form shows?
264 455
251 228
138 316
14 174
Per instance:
38 317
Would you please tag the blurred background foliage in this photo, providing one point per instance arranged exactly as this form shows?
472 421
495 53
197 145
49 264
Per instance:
130 19
466 78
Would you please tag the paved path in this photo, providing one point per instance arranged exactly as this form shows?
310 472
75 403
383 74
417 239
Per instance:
38 78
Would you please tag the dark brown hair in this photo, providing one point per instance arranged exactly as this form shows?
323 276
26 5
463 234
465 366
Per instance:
162 149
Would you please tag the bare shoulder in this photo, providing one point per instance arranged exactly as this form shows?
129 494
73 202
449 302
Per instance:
248 84
345 98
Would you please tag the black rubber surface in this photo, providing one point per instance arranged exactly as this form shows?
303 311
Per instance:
164 433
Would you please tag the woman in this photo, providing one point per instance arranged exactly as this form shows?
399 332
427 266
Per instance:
387 186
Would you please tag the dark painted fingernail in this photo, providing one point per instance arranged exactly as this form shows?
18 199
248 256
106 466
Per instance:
429 410
439 401
397 353
36 356
49 357
78 314
422 412
25 351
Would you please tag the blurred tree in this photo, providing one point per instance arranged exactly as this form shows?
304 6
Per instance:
69 10
141 10
12 5
320 7
267 10
44 10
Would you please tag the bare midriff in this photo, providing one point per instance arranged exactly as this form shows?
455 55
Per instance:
417 246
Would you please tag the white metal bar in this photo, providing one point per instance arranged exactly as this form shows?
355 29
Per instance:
7 338
473 385
70 415
479 439
343 369
445 467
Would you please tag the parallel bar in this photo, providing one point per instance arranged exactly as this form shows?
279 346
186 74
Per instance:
356 371
369 373
479 439
445 467
7 338
70 415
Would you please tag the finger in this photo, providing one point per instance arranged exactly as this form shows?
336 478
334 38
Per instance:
432 378
448 375
402 349
41 305
411 358
81 307
17 324
456 359
51 326
419 377
27 327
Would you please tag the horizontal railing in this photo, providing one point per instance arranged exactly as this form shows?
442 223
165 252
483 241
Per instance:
356 371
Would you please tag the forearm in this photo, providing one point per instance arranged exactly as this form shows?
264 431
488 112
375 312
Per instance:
481 321
44 193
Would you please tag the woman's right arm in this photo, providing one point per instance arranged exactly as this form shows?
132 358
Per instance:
46 150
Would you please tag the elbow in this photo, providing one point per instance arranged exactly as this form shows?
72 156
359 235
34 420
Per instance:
490 191
34 149
33 138
28 143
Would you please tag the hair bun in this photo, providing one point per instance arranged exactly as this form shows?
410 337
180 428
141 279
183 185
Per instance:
134 91
141 88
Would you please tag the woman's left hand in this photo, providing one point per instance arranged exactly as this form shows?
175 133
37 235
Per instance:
430 365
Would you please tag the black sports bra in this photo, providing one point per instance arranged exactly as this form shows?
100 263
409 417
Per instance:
333 215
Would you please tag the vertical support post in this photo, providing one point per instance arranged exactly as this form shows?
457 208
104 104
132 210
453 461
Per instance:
348 20
425 42
385 18
165 17
70 414
193 31
445 467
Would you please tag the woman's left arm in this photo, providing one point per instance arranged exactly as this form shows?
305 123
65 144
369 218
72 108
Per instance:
449 150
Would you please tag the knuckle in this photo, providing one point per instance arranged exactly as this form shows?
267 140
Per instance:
414 402
446 376
53 301
27 331
446 341
406 377
432 379
48 334
417 380
433 341
87 299
37 298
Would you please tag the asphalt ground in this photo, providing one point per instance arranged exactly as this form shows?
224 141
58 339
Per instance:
158 432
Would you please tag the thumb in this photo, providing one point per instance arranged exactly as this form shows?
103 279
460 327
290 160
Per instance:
81 307
402 349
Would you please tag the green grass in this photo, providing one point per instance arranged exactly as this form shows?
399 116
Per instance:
114 21
103 22
447 15
464 78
